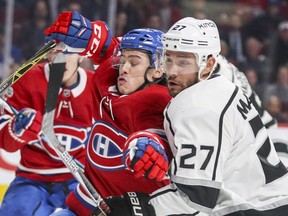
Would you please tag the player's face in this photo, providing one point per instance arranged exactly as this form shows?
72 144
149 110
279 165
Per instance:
72 63
132 67
181 69
70 74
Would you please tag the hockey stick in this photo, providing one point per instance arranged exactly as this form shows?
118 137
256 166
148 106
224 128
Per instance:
12 78
55 80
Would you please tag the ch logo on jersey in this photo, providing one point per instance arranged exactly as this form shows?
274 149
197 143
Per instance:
105 147
74 139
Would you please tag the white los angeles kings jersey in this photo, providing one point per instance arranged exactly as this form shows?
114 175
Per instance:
224 160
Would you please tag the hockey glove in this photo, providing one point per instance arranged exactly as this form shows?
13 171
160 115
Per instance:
144 154
131 204
79 34
25 127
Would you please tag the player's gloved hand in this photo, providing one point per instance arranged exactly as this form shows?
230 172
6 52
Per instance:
25 127
79 34
131 204
145 155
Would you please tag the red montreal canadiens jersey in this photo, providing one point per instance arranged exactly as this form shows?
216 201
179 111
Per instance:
118 117
73 120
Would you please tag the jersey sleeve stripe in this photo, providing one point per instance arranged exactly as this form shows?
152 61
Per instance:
220 131
204 196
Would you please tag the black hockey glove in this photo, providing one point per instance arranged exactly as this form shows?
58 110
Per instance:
131 204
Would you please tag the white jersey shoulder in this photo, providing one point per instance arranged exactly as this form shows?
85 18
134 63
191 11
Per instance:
221 152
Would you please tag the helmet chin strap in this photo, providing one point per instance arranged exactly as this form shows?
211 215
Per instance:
146 81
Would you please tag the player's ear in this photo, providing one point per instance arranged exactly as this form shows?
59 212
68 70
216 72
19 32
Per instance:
156 74
206 72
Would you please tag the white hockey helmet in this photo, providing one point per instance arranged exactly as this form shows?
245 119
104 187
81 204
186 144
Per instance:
200 37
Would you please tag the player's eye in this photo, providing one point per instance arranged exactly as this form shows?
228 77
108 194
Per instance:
183 63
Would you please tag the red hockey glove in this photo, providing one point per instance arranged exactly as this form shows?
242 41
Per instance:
79 34
131 204
144 154
25 127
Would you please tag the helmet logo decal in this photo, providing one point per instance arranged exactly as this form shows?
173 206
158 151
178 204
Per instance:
128 38
172 39
207 24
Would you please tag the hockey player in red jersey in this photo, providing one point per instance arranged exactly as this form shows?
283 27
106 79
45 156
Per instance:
129 96
42 180
224 162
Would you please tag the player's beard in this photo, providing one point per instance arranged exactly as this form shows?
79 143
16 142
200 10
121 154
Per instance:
176 85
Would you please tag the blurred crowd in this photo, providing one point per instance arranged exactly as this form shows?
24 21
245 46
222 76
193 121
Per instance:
254 33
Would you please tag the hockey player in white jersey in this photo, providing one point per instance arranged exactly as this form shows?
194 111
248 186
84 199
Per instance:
224 161
278 137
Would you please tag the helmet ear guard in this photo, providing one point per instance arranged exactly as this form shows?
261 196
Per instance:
200 37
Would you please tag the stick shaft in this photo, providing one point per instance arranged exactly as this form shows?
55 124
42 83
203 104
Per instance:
54 83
